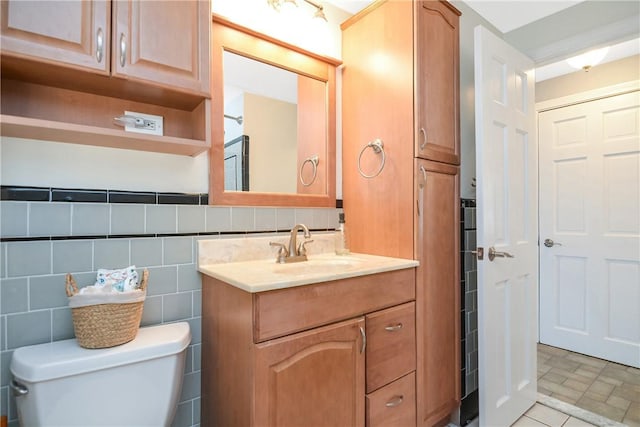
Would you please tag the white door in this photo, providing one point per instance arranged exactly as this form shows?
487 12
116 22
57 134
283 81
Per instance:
506 167
590 210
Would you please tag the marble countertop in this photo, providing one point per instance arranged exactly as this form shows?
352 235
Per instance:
225 259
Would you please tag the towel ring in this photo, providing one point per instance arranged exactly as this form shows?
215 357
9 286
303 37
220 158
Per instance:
378 147
313 160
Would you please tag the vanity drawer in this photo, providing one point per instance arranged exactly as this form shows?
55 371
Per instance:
391 344
284 311
394 404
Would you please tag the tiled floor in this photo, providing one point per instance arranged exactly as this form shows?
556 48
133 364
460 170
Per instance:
599 386
543 416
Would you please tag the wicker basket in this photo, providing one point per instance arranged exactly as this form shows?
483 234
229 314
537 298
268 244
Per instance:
105 325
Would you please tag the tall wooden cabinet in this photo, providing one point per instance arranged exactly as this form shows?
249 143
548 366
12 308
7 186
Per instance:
400 87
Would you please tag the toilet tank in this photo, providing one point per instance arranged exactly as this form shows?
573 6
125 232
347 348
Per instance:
134 384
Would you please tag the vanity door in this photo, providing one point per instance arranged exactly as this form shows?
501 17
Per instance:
314 377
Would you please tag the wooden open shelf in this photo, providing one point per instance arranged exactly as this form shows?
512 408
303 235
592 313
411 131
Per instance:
49 113
48 130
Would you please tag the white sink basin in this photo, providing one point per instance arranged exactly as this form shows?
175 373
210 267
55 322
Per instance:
319 265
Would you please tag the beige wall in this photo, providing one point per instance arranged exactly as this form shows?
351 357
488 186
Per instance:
272 128
611 73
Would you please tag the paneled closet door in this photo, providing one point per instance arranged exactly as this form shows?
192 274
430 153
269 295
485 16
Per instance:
590 228
437 290
437 130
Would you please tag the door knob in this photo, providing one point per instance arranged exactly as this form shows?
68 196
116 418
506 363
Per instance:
496 254
550 243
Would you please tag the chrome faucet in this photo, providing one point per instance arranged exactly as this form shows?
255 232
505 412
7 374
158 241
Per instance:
295 252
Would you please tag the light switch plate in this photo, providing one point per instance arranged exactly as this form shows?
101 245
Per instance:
145 123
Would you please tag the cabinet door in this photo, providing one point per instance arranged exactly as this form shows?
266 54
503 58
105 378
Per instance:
315 378
74 33
437 291
165 42
437 122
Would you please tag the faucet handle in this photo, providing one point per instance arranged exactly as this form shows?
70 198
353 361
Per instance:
302 250
283 252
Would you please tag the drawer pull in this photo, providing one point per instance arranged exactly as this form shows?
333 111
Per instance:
393 328
397 400
364 340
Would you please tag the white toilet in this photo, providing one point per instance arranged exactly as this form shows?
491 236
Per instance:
134 384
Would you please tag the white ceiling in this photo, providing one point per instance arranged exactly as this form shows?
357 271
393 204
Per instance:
504 15
509 15
522 21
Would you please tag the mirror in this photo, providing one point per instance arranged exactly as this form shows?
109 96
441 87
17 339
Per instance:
273 122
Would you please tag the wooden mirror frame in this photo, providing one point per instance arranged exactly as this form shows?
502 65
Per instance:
228 36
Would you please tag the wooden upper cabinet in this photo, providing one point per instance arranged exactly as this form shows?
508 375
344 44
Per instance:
74 33
162 42
315 378
437 80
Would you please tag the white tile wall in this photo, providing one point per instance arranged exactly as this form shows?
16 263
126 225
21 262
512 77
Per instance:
33 305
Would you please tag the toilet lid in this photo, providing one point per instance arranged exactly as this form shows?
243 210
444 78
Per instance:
58 359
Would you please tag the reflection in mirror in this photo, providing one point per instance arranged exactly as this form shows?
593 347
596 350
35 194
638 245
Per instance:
281 99
284 114
236 164
266 99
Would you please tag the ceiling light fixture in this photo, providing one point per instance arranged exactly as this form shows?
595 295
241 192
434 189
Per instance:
319 13
277 4
588 59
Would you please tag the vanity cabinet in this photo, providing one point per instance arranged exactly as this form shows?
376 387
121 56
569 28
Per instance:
408 75
69 68
309 354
